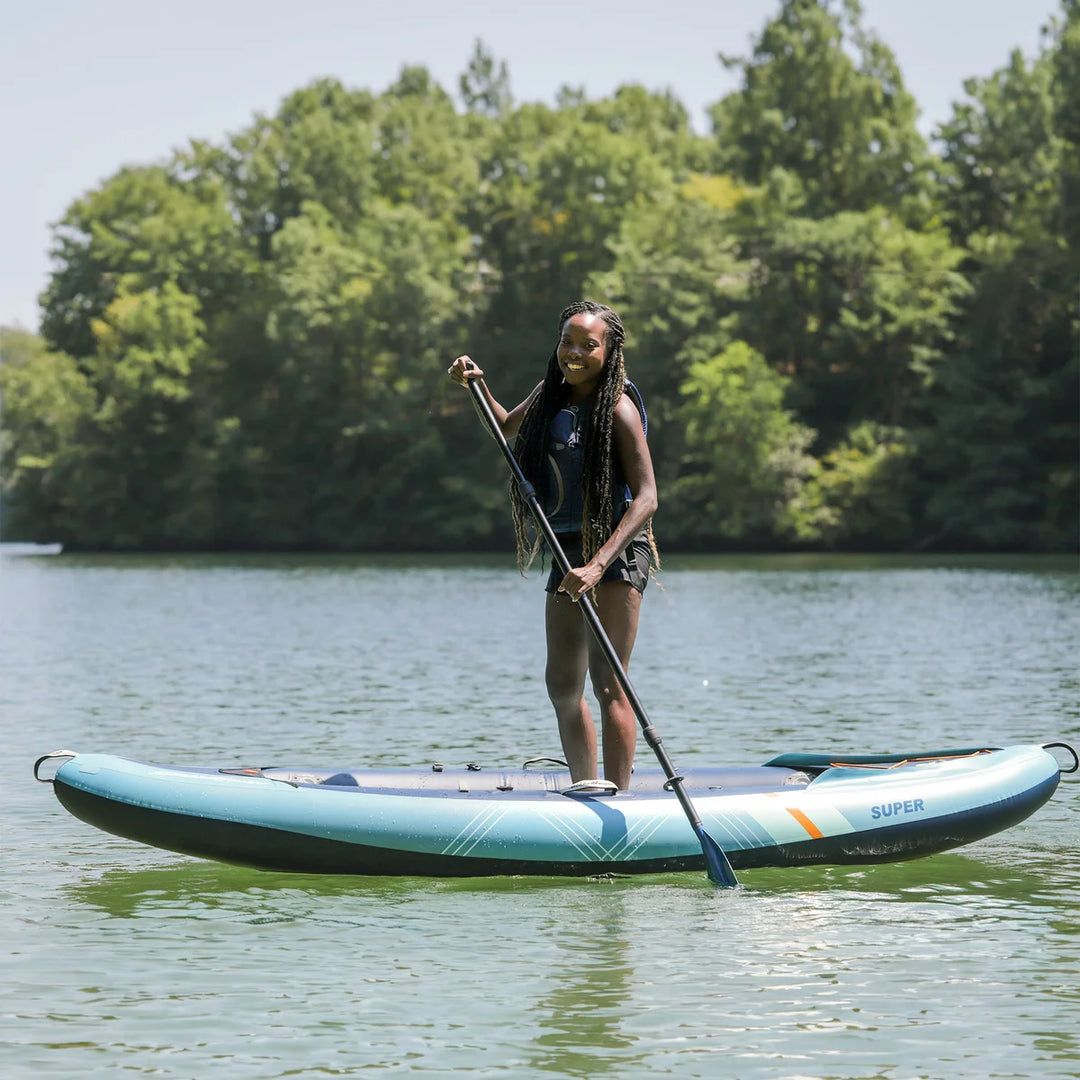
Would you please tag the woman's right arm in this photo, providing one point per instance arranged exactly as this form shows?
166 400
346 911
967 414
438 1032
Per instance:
463 369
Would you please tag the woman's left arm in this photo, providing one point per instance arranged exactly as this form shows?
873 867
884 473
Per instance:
637 467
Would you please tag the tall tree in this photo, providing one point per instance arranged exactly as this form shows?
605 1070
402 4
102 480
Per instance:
824 100
44 402
485 85
142 227
1003 440
555 187
677 282
856 307
745 457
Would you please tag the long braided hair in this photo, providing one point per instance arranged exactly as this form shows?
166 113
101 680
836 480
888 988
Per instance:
598 458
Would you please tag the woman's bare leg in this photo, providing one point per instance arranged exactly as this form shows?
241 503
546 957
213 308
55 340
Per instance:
567 663
618 604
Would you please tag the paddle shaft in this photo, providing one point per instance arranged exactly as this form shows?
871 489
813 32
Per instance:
716 861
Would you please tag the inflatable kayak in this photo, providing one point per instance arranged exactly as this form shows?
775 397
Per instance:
459 822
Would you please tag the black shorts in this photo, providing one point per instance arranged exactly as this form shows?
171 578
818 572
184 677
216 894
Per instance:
632 564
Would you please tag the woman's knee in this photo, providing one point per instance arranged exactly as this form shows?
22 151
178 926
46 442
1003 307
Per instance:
563 687
606 687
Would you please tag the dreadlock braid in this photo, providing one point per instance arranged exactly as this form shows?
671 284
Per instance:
598 464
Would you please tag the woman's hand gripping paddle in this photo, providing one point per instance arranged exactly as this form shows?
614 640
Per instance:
716 862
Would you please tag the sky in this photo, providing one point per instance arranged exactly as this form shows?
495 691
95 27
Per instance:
89 86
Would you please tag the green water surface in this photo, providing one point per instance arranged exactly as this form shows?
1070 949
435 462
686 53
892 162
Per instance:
121 960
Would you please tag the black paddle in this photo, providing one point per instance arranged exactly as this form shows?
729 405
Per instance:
716 862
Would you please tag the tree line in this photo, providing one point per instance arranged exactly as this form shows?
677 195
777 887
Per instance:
847 337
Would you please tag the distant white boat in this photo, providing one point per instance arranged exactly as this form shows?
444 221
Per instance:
15 548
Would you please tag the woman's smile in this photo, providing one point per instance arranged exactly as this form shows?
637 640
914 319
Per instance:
581 350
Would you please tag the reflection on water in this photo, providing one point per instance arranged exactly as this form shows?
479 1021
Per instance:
581 1020
1044 880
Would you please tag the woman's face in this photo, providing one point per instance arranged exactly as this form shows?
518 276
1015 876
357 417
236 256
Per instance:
581 351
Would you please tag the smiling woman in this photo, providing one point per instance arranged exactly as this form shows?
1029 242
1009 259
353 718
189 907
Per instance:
581 443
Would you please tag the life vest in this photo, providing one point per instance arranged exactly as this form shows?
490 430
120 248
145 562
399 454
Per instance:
563 496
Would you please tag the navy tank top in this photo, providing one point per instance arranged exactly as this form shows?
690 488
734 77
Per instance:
564 497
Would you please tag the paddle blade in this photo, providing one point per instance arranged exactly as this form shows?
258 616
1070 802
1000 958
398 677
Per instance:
717 865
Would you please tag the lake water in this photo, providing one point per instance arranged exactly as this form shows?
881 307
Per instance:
122 960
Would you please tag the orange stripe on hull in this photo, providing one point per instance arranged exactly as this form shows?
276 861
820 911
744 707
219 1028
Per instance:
806 823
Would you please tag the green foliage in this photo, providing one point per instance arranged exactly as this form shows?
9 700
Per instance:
142 228
1000 447
858 494
745 457
44 398
844 339
677 282
554 191
485 87
855 307
147 344
823 100
1065 57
